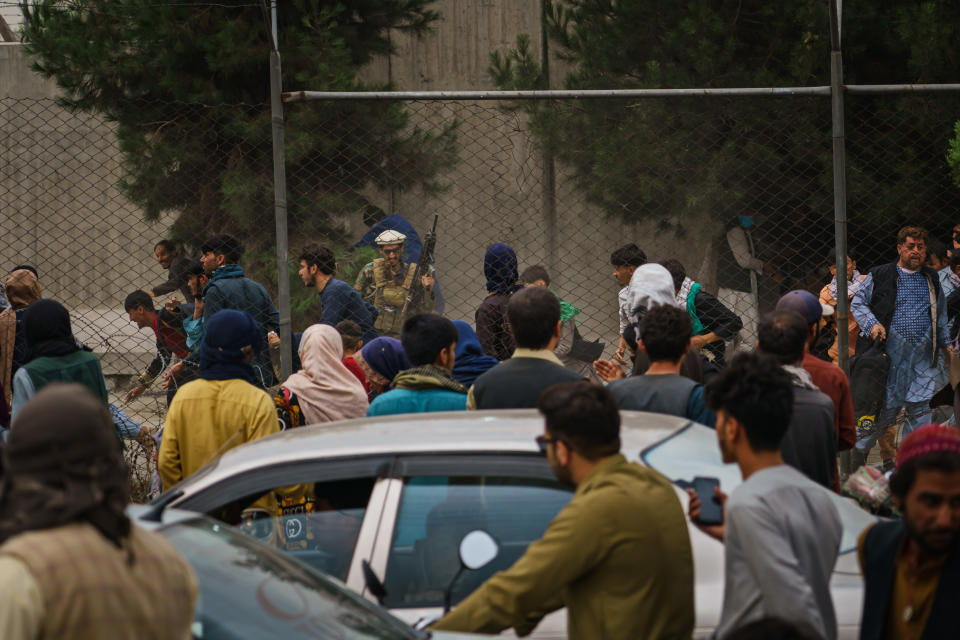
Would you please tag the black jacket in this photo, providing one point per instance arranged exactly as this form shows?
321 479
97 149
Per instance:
881 549
516 383
810 444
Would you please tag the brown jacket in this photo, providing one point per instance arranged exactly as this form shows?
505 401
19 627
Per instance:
90 589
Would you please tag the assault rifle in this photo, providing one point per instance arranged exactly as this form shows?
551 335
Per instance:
423 265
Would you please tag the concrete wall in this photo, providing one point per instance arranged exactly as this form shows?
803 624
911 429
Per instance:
60 211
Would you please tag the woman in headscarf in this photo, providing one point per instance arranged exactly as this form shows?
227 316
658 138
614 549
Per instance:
22 289
493 330
381 360
324 390
53 355
469 361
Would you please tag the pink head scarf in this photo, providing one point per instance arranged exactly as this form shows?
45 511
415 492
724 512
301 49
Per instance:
325 388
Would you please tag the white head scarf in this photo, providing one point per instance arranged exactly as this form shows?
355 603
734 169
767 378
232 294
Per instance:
325 388
650 286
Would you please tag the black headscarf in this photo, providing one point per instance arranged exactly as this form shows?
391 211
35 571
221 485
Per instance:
62 464
226 334
500 269
46 324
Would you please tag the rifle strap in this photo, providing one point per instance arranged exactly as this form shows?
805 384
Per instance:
411 272
379 273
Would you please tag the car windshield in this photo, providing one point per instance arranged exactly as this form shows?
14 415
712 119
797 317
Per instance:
693 451
249 591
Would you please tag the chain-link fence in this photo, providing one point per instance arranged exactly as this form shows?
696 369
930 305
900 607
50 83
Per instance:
738 190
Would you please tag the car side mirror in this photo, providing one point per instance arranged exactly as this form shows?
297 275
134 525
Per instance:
373 583
477 549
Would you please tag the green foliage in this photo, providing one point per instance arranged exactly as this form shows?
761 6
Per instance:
702 161
953 154
188 87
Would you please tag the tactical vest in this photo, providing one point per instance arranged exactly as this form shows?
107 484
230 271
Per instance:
389 297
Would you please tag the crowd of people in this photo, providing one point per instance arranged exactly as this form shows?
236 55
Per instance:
618 557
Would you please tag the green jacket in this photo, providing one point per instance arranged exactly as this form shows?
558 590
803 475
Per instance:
617 556
80 366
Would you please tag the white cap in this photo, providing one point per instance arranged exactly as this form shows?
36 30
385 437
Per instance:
390 236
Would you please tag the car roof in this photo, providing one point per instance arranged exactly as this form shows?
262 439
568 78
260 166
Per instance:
500 431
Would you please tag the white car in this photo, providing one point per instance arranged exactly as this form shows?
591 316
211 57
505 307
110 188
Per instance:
399 492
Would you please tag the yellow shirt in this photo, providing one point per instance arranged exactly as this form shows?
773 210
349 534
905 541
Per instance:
207 418
617 556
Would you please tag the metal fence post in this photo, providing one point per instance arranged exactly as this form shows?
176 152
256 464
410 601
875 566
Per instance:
839 187
280 203
549 180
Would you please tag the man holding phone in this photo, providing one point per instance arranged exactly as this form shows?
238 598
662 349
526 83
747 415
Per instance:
781 531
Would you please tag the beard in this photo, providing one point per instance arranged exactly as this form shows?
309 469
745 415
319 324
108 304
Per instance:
933 541
562 473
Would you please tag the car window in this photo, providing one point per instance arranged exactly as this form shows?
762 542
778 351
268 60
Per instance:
437 511
248 591
317 522
693 451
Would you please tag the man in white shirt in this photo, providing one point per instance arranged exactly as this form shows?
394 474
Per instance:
781 531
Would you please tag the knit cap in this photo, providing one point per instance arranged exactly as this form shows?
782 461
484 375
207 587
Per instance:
930 438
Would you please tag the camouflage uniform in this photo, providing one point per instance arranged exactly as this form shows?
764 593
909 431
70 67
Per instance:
388 292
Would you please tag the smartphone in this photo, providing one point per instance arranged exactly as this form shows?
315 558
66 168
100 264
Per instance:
711 511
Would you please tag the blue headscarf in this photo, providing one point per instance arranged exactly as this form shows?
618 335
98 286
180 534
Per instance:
469 361
227 332
500 269
385 356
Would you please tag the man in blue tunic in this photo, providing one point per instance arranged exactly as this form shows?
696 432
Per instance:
903 303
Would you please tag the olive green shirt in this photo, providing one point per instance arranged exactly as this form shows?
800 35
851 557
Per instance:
617 557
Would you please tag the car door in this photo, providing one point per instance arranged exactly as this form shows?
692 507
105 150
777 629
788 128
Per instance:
434 500
319 511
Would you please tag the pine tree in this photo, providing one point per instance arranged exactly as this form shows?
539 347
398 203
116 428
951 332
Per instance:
187 84
695 163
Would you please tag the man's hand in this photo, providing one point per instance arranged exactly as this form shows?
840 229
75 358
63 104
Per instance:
620 355
877 331
693 510
135 392
172 375
608 371
427 282
151 293
273 340
144 438
172 305
698 342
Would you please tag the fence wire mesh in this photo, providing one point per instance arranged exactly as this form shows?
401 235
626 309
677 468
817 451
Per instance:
738 191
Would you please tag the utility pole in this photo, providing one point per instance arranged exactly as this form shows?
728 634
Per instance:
839 185
280 200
